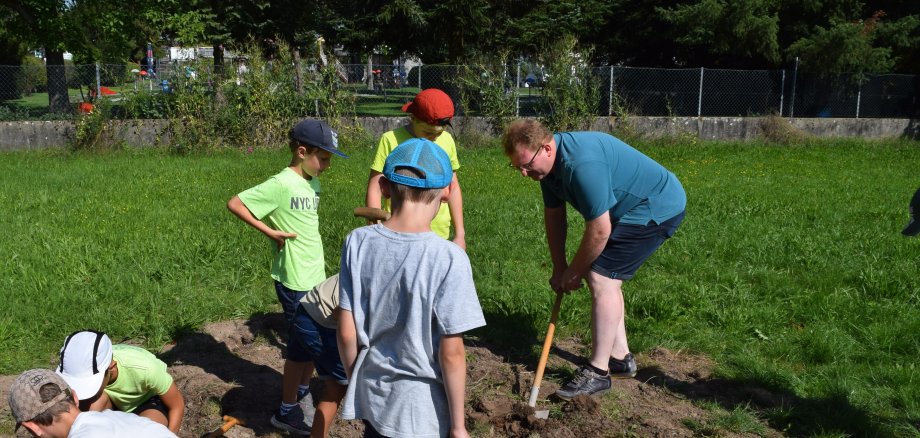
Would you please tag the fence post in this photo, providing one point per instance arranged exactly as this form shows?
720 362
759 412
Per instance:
858 97
420 76
795 77
699 102
517 94
99 83
610 94
782 92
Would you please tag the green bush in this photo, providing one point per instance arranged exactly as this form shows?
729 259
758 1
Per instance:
246 107
570 93
486 91
33 79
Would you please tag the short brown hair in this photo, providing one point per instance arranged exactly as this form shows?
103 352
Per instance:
294 144
400 192
527 132
48 392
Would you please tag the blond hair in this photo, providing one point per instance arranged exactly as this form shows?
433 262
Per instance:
400 193
528 133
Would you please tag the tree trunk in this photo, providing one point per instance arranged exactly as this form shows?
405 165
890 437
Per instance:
218 74
370 71
298 71
219 60
58 100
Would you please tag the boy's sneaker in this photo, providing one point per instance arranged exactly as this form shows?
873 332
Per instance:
622 369
585 382
293 422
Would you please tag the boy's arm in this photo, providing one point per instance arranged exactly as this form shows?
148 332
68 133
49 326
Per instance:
455 205
347 338
175 406
100 404
372 199
452 357
236 206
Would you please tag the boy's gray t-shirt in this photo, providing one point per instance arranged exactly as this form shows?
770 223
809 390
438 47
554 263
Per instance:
406 291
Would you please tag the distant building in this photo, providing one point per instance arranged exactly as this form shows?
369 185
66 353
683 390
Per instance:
189 53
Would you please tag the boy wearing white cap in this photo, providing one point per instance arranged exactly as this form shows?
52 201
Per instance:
41 401
122 377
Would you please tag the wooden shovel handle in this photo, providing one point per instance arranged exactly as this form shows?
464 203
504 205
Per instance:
544 355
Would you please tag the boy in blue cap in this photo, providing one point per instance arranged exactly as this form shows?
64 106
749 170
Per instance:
406 298
284 208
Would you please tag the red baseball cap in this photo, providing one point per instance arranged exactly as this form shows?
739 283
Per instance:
431 106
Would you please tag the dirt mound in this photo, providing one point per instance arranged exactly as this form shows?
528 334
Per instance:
234 368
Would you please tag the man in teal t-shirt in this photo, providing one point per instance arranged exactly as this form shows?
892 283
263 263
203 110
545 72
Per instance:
631 205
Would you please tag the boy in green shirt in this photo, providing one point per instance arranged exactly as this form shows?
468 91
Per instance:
122 377
429 112
284 208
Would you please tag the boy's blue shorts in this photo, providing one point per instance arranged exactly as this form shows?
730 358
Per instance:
289 299
630 245
310 341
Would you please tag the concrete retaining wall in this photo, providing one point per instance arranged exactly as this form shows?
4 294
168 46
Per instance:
57 134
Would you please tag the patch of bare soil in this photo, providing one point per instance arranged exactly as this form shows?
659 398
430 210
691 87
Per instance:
234 368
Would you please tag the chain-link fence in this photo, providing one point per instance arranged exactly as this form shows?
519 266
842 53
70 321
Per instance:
381 89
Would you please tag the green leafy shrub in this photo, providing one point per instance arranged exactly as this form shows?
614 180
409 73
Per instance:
33 78
570 93
253 103
91 129
485 90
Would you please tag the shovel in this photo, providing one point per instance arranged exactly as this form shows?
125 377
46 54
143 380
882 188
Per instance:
229 422
544 355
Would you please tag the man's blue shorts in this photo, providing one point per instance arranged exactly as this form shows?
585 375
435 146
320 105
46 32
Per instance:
630 245
310 341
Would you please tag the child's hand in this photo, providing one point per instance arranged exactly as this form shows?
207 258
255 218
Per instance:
459 433
460 241
280 237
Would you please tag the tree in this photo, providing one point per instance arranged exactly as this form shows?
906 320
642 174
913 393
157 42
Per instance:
90 29
740 33
45 23
843 47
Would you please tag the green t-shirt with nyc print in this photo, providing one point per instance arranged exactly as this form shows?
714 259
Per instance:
288 202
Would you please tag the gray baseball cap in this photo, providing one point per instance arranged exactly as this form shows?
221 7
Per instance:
25 397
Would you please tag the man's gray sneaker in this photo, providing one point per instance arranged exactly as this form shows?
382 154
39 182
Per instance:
622 369
585 382
293 422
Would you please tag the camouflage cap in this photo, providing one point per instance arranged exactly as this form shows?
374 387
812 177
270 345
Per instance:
26 400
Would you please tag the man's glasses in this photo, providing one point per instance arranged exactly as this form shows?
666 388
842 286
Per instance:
528 165
442 122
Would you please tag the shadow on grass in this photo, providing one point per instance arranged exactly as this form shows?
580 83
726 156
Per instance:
256 387
783 411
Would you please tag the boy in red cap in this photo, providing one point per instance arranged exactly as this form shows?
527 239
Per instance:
429 112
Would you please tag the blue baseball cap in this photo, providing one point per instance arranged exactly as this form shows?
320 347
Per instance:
424 157
318 134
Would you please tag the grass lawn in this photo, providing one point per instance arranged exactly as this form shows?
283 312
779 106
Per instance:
790 270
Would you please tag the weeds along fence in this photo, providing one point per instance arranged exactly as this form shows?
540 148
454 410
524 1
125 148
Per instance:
502 90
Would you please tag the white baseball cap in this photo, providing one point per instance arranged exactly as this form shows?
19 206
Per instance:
85 356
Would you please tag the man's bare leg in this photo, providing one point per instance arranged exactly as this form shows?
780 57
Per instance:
608 320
